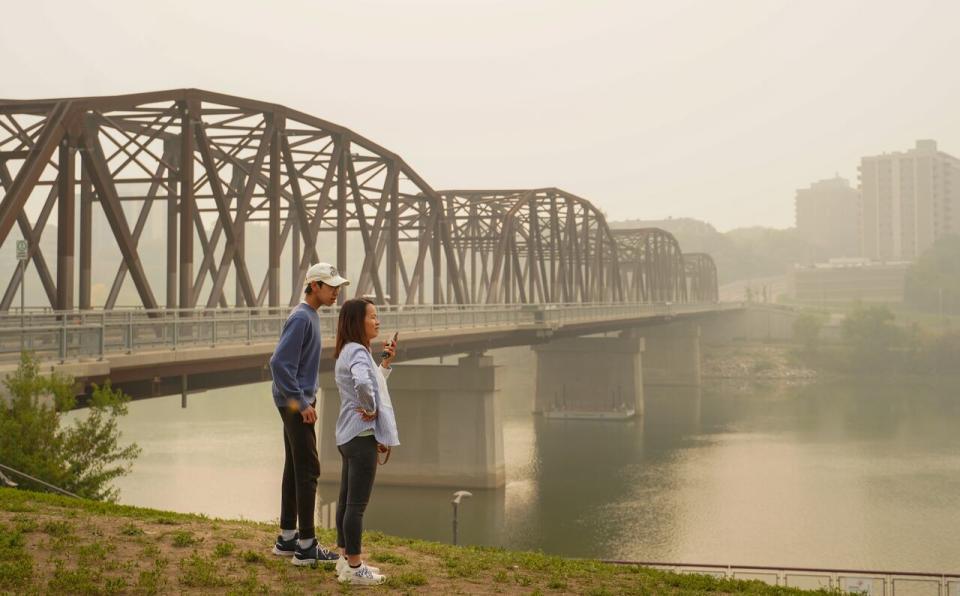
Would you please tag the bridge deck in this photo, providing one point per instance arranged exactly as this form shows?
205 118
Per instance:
149 352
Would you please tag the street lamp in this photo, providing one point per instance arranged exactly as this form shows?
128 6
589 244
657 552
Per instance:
456 506
6 481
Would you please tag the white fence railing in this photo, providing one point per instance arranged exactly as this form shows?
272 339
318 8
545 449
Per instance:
68 335
846 581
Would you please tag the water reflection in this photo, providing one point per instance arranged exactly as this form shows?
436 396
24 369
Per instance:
833 474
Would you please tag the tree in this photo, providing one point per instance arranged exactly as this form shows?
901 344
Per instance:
806 330
83 458
933 281
872 335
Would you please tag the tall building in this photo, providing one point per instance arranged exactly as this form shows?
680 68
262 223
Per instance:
907 201
828 217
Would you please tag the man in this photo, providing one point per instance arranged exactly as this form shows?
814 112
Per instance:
295 365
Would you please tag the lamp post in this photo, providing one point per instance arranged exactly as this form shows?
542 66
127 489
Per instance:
456 506
22 262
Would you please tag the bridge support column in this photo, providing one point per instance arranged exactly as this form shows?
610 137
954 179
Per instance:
450 422
673 353
590 377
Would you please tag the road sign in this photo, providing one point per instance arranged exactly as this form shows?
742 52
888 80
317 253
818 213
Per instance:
21 250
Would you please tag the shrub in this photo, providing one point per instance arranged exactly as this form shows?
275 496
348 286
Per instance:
83 458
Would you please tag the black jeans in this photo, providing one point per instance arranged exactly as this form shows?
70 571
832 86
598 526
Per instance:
301 468
359 467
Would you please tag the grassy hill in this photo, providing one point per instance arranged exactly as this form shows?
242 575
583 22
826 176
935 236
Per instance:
57 545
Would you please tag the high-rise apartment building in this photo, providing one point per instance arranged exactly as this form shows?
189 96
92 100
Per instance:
828 217
907 201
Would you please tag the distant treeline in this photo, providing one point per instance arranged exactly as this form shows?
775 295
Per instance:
933 281
874 343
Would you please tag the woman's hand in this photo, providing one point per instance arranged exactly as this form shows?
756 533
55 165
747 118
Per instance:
390 349
381 448
367 415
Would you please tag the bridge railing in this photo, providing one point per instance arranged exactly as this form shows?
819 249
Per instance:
91 335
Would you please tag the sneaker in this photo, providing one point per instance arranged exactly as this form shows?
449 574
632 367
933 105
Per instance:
361 576
343 566
285 548
314 555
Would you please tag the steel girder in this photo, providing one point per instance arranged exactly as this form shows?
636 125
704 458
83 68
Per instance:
242 187
651 265
238 178
702 282
532 246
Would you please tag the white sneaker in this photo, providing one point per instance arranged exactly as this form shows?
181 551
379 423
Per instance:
361 576
343 566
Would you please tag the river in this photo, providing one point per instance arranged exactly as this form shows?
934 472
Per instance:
838 474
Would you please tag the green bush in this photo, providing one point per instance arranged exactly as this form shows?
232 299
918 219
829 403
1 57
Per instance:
806 330
933 280
873 337
83 458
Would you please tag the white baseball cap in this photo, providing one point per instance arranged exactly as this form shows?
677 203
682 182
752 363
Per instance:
326 273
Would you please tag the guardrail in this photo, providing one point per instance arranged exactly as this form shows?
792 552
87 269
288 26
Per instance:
849 581
68 335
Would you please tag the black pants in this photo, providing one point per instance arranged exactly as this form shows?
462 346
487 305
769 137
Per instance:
359 467
301 468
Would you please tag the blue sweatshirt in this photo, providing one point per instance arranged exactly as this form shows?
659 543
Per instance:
295 363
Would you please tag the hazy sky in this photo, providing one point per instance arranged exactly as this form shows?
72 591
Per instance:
713 109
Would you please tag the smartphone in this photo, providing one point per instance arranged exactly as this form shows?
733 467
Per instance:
384 353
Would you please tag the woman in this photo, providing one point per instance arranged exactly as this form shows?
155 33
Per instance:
366 426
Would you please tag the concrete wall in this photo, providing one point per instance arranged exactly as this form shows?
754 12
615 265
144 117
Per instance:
590 377
672 355
754 323
866 282
450 424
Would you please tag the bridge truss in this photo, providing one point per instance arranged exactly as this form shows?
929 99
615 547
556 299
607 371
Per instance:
652 264
229 196
537 245
701 273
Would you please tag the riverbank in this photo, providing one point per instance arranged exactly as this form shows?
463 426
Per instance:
52 544
755 361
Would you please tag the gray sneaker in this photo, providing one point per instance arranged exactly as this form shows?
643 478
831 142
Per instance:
286 548
361 576
314 555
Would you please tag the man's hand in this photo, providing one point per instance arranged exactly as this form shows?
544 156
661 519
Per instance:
309 415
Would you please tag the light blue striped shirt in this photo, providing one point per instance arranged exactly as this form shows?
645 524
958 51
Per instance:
357 382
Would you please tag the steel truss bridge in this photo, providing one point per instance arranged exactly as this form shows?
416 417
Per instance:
239 194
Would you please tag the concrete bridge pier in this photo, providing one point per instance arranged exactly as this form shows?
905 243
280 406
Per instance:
590 377
672 355
450 423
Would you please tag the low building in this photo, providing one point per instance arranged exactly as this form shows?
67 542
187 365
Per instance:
848 280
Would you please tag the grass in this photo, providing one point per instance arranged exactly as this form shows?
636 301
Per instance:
384 557
84 580
16 565
58 529
117 549
198 571
408 578
224 549
131 529
153 581
184 538
249 556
